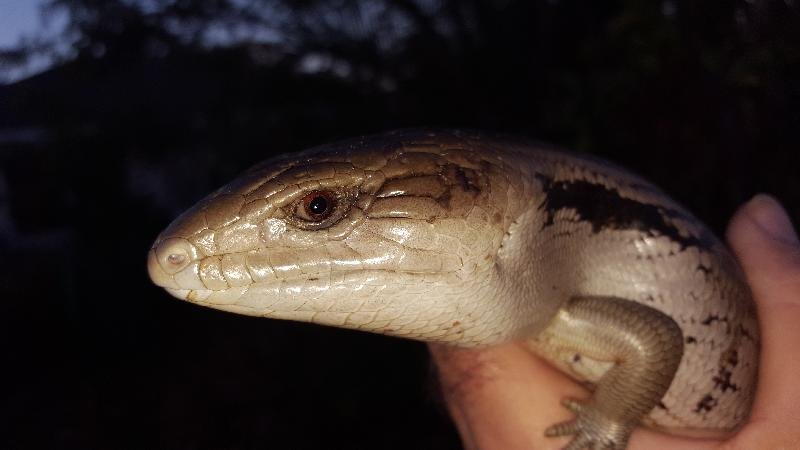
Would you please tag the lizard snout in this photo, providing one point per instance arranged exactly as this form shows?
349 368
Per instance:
174 264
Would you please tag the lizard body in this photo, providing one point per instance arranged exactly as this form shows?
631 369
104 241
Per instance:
470 240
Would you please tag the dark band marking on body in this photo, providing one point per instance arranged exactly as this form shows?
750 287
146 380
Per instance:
708 321
606 208
706 404
722 380
713 318
728 362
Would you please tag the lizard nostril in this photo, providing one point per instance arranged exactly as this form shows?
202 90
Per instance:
176 259
174 254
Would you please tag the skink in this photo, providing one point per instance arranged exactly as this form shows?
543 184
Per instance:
472 240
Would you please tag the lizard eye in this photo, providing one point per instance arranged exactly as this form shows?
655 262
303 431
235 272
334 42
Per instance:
316 206
321 208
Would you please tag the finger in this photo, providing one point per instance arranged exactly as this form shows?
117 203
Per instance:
502 397
767 247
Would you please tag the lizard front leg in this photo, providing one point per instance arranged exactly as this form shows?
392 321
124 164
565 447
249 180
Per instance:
630 353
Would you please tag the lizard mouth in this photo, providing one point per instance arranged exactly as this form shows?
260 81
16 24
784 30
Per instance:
307 296
219 279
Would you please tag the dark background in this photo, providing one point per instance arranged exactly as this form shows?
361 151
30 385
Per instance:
153 104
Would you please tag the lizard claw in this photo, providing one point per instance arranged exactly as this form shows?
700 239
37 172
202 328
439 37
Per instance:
572 405
563 429
590 428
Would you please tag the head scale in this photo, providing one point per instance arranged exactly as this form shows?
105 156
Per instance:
394 234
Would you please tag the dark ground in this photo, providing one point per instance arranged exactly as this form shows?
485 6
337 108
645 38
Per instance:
98 154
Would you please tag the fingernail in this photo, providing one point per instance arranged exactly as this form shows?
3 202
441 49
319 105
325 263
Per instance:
770 216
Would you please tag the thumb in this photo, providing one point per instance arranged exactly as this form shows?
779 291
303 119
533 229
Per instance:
763 239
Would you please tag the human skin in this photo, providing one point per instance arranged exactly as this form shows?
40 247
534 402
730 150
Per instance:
502 397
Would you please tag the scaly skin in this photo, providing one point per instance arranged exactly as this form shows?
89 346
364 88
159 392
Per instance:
470 240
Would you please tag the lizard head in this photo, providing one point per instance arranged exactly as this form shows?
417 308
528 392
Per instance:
394 234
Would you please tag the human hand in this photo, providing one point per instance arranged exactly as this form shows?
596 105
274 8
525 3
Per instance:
502 397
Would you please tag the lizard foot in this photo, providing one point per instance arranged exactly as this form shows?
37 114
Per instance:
591 428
